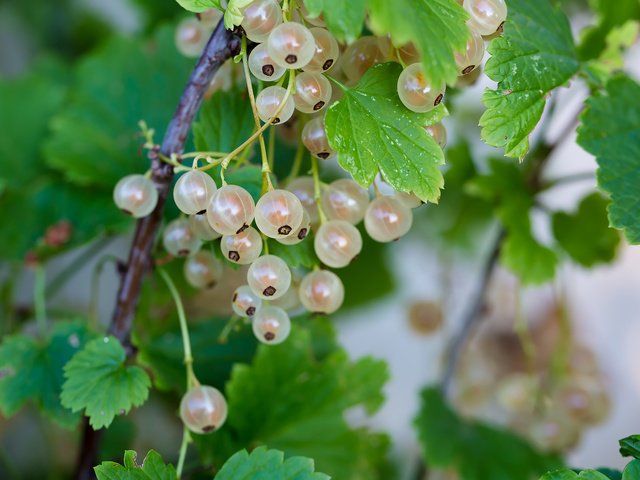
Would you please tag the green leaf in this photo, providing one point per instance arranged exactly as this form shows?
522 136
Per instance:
248 177
586 235
152 468
343 19
372 131
304 414
475 450
96 138
199 6
535 55
32 370
299 255
611 60
566 474
632 471
234 13
436 27
268 465
610 130
630 446
99 382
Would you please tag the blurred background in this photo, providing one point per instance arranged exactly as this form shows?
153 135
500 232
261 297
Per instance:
404 303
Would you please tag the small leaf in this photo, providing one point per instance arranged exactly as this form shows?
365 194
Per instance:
234 13
98 381
611 60
372 131
610 130
630 446
535 55
268 465
152 468
343 19
199 6
436 27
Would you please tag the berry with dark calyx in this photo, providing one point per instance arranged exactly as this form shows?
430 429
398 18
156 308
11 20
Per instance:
203 270
291 45
260 18
271 325
136 195
313 92
337 243
230 210
244 302
179 240
203 409
202 229
278 213
262 65
301 233
269 104
321 292
387 219
416 92
269 277
242 248
486 16
326 54
471 57
314 137
192 192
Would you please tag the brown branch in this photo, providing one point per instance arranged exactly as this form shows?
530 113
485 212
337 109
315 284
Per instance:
222 45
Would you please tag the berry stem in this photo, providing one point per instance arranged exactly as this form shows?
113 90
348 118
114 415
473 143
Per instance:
224 334
186 440
39 298
317 189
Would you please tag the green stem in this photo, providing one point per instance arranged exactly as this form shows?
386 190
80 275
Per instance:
317 194
184 330
224 334
186 440
39 298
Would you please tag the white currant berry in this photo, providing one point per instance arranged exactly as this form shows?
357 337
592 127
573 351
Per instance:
269 277
222 80
262 65
300 233
291 45
290 301
203 270
387 219
517 392
244 302
345 200
202 229
409 54
191 37
439 134
471 57
321 291
260 18
271 325
136 195
314 137
317 21
416 92
326 54
486 16
203 409
230 210
360 56
242 248
313 92
179 240
337 243
269 105
304 189
192 192
278 213
409 200
210 18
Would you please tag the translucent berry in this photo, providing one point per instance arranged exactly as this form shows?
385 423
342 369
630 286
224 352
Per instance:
291 45
231 210
278 213
487 16
290 301
203 409
416 92
210 18
321 292
345 200
387 219
271 325
304 189
439 134
300 233
269 277
242 248
262 65
317 21
193 191
244 302
269 105
360 56
313 92
409 54
191 37
136 195
337 243
179 240
468 60
222 80
409 200
202 229
517 392
314 137
260 18
202 270
327 51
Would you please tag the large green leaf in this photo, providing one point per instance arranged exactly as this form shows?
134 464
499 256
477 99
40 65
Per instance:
268 465
373 132
609 16
152 468
632 471
343 19
477 451
610 130
289 400
96 138
436 27
99 382
32 371
535 55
